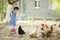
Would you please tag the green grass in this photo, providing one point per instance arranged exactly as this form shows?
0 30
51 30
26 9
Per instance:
48 19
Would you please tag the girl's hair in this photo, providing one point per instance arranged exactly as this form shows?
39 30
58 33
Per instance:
17 8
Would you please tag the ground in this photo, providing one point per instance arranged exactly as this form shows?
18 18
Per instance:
4 34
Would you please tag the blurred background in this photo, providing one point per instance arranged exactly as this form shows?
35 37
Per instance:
33 9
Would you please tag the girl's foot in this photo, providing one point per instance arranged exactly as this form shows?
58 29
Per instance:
13 31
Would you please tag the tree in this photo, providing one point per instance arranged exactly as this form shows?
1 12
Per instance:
9 8
12 1
3 6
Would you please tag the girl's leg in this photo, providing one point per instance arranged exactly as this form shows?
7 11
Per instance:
12 30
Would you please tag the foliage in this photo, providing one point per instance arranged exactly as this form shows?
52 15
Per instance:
58 5
3 5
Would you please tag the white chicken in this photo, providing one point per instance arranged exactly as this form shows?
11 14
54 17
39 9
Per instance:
34 33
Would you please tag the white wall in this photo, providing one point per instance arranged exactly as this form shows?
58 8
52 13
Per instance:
43 12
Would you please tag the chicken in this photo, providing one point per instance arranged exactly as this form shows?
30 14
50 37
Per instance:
49 31
34 33
20 31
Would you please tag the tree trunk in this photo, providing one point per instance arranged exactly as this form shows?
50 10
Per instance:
2 11
9 8
12 1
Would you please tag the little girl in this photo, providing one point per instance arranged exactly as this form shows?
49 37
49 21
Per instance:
12 21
